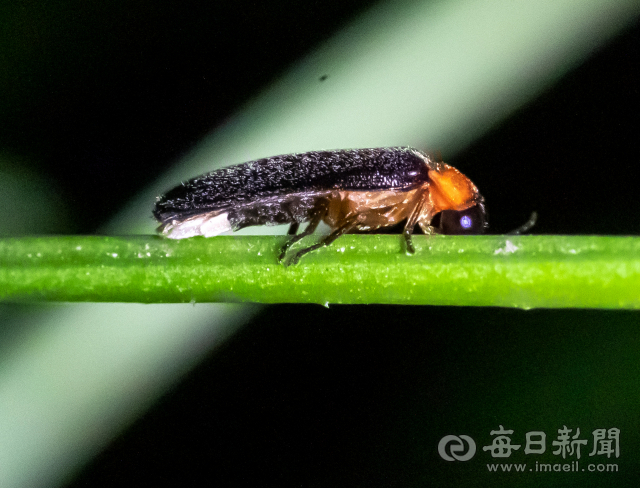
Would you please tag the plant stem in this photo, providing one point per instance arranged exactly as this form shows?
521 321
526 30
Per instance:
506 271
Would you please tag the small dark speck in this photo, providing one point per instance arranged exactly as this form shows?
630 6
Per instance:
323 77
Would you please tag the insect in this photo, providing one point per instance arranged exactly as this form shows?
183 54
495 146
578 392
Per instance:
352 190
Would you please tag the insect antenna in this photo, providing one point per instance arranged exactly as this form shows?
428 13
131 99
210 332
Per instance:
526 227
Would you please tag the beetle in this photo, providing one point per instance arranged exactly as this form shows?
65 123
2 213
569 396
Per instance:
351 190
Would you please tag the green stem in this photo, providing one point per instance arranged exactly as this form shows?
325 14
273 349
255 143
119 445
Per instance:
507 271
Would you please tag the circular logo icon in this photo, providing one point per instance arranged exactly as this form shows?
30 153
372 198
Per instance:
456 448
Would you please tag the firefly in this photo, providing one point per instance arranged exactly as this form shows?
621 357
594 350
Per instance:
351 190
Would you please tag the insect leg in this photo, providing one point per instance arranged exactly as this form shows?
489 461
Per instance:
315 219
343 229
412 221
293 229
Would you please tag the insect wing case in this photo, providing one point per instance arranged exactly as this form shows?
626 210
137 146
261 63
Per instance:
283 189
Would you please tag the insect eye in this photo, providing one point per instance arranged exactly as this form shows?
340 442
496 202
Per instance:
469 221
465 222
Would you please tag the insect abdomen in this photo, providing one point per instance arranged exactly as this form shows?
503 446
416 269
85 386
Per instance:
276 210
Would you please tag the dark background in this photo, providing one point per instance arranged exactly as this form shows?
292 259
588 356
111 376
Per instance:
101 98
